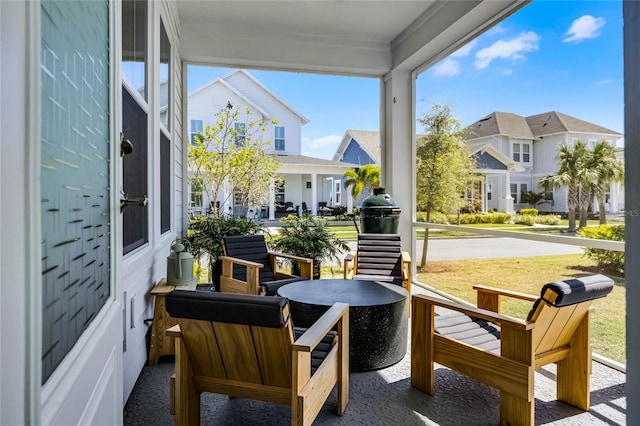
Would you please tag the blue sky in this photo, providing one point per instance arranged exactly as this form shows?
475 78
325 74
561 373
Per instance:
551 55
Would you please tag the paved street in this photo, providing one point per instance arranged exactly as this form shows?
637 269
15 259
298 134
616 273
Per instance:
487 247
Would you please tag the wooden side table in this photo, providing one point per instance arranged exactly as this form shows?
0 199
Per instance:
161 344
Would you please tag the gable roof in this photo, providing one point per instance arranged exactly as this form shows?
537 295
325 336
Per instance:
368 140
532 127
223 80
499 123
225 77
499 156
556 122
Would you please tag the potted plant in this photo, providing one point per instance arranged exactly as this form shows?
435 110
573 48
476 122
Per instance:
308 237
205 237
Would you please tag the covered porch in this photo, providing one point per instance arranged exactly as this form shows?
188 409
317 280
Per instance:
388 40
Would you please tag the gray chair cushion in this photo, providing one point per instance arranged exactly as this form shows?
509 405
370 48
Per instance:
227 308
473 331
578 290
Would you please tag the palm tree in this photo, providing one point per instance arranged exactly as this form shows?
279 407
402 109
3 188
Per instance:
608 170
575 174
367 176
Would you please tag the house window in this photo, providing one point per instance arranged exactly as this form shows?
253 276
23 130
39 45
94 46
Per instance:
526 153
523 192
165 76
197 126
134 45
548 195
75 179
165 183
308 185
196 192
279 192
135 219
591 144
489 191
337 192
514 192
516 152
278 139
240 132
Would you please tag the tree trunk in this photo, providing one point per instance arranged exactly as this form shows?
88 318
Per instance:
572 202
425 243
602 211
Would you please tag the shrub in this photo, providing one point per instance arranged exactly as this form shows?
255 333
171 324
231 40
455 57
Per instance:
473 218
607 259
547 219
524 219
436 217
529 212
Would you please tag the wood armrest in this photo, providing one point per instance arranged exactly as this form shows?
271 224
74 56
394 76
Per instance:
346 274
292 257
174 331
474 312
240 261
406 258
503 292
314 334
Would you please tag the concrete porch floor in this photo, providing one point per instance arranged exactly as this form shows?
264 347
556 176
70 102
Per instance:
385 397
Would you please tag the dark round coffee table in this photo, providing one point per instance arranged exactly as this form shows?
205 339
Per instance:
377 316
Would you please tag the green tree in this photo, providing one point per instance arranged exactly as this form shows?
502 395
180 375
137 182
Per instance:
608 170
575 174
223 156
444 167
367 176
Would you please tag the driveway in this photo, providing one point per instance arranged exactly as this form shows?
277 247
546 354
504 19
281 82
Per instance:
487 247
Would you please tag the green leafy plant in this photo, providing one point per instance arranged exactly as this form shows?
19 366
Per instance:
473 218
308 237
205 237
524 219
529 212
606 259
547 219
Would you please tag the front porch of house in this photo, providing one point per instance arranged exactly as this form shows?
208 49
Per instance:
386 397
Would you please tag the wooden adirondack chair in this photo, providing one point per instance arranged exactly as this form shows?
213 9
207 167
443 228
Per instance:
249 268
379 257
245 346
504 352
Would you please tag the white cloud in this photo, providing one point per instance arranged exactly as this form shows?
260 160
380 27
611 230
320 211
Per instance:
447 68
527 41
325 141
603 81
584 27
465 50
507 72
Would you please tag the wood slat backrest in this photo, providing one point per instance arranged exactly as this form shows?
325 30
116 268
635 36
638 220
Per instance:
252 248
555 326
245 353
562 307
379 254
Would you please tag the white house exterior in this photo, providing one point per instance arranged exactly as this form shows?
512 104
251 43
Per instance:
42 46
305 181
532 143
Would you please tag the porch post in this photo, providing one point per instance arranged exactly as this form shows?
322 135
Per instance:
397 145
272 200
314 194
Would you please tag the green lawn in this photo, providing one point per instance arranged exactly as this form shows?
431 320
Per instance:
528 275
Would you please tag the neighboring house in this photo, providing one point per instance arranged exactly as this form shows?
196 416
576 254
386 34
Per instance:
359 147
528 148
306 181
511 153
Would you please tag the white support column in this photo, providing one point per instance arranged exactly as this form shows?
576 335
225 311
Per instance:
398 147
314 194
272 200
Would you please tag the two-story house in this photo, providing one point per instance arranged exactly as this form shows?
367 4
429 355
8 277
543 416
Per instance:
531 143
305 181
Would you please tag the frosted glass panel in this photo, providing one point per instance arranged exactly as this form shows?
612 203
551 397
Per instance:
74 172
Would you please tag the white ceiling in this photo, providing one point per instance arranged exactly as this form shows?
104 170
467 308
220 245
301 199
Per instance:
336 36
